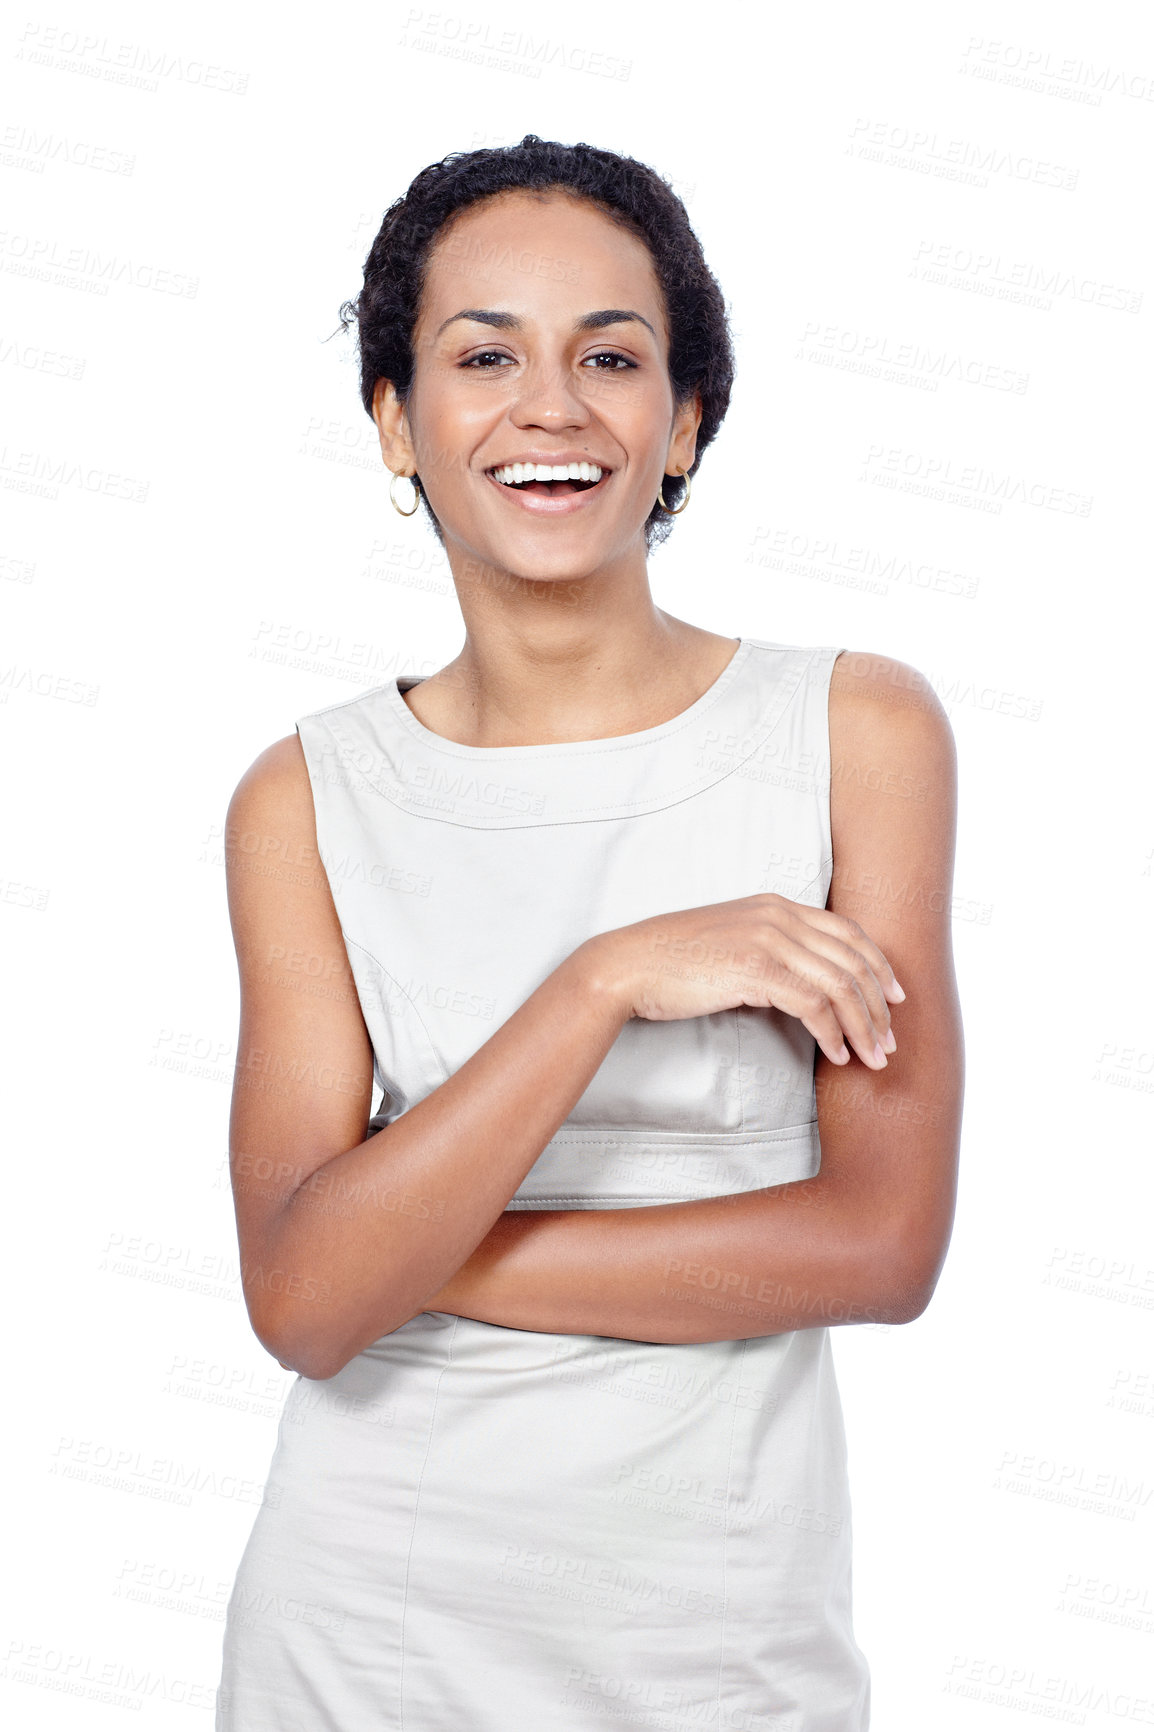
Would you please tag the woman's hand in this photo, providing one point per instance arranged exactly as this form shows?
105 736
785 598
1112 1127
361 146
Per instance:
764 951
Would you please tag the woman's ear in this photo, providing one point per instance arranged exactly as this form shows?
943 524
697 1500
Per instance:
392 421
683 442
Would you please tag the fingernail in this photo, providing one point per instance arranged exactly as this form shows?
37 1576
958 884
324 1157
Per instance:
842 1054
889 1042
879 1055
898 990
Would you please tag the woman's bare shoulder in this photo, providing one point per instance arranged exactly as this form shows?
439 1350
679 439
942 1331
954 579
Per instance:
275 789
877 699
270 824
279 770
867 674
893 763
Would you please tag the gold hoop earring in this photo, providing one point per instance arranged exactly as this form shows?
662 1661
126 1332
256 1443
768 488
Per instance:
684 476
416 486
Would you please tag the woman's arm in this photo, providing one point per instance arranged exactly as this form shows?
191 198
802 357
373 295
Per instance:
343 1236
865 1239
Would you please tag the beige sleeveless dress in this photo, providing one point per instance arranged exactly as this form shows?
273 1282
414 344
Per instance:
480 1529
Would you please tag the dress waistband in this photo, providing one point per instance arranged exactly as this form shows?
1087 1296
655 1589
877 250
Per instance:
586 1168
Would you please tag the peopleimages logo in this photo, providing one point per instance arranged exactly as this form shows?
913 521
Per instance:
1023 281
960 159
118 62
476 40
940 477
1069 76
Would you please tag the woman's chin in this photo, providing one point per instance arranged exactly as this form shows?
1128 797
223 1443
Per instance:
542 551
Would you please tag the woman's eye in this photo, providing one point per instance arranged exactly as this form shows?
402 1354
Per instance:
605 361
617 362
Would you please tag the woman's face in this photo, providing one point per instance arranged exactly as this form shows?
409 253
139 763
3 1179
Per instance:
541 339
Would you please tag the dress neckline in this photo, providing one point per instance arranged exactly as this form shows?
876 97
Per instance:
561 748
728 732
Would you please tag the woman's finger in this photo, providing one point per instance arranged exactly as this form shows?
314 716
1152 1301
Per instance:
844 958
806 984
842 927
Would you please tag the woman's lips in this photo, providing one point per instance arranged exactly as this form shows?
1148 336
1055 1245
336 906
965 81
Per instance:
550 499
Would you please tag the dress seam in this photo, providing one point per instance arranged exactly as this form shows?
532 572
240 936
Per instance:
725 1539
772 1136
586 814
781 701
404 994
817 877
610 1198
413 1530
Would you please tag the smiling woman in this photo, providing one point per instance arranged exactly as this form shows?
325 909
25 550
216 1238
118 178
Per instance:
600 921
544 381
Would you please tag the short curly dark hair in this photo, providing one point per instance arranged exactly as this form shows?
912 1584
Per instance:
387 307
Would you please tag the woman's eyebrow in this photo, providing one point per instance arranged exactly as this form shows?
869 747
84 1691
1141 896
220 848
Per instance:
510 321
611 316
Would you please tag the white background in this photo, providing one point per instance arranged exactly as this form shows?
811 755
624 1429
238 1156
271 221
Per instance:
912 210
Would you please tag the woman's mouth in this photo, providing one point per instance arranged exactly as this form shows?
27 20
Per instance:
548 480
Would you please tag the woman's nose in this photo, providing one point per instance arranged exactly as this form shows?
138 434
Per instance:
549 397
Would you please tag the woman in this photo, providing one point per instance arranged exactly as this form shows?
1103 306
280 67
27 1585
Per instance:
566 1443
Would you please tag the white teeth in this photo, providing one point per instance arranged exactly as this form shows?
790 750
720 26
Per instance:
510 474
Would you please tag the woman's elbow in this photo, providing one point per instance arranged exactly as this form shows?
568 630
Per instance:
316 1348
911 1276
308 1352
